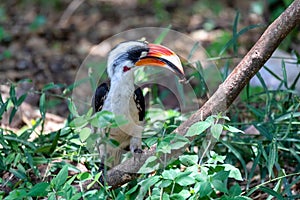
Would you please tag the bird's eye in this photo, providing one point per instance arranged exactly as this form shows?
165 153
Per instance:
125 69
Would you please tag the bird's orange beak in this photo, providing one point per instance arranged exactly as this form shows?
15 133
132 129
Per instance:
161 56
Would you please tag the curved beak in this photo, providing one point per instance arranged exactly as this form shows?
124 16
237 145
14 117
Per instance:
161 56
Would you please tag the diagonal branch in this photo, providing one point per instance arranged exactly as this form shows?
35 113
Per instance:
227 91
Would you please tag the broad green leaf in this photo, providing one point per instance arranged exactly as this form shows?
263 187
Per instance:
221 175
176 197
232 129
84 176
146 184
216 130
60 178
170 174
39 190
17 194
72 108
197 128
182 195
189 160
185 180
165 183
78 122
219 186
183 174
102 119
84 133
164 147
18 174
132 190
150 165
178 144
235 190
233 172
203 188
185 193
237 154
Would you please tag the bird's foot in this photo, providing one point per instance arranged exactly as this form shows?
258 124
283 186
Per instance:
138 151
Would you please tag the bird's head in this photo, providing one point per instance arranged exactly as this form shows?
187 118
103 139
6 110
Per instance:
128 55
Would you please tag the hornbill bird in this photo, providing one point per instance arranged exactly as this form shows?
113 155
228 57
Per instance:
121 96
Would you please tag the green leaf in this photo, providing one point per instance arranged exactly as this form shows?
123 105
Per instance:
21 99
84 134
235 190
150 165
165 183
197 128
189 160
237 154
18 173
12 114
146 184
178 144
55 142
102 119
176 197
170 174
17 194
132 190
84 176
50 86
233 172
162 35
78 122
216 130
12 94
43 105
3 108
72 108
164 147
220 186
203 188
185 193
185 180
39 190
232 129
182 195
183 174
221 175
60 178
272 192
272 156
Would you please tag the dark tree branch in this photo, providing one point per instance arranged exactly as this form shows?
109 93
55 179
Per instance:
227 91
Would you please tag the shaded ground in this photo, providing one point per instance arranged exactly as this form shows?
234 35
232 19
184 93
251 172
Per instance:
47 41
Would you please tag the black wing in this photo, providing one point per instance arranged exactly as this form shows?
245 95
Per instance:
140 103
99 97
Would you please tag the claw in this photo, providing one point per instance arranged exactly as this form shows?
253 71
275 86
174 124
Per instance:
139 151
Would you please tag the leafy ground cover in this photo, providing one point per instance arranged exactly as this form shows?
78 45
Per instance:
42 160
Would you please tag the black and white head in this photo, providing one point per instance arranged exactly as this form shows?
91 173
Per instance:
128 55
